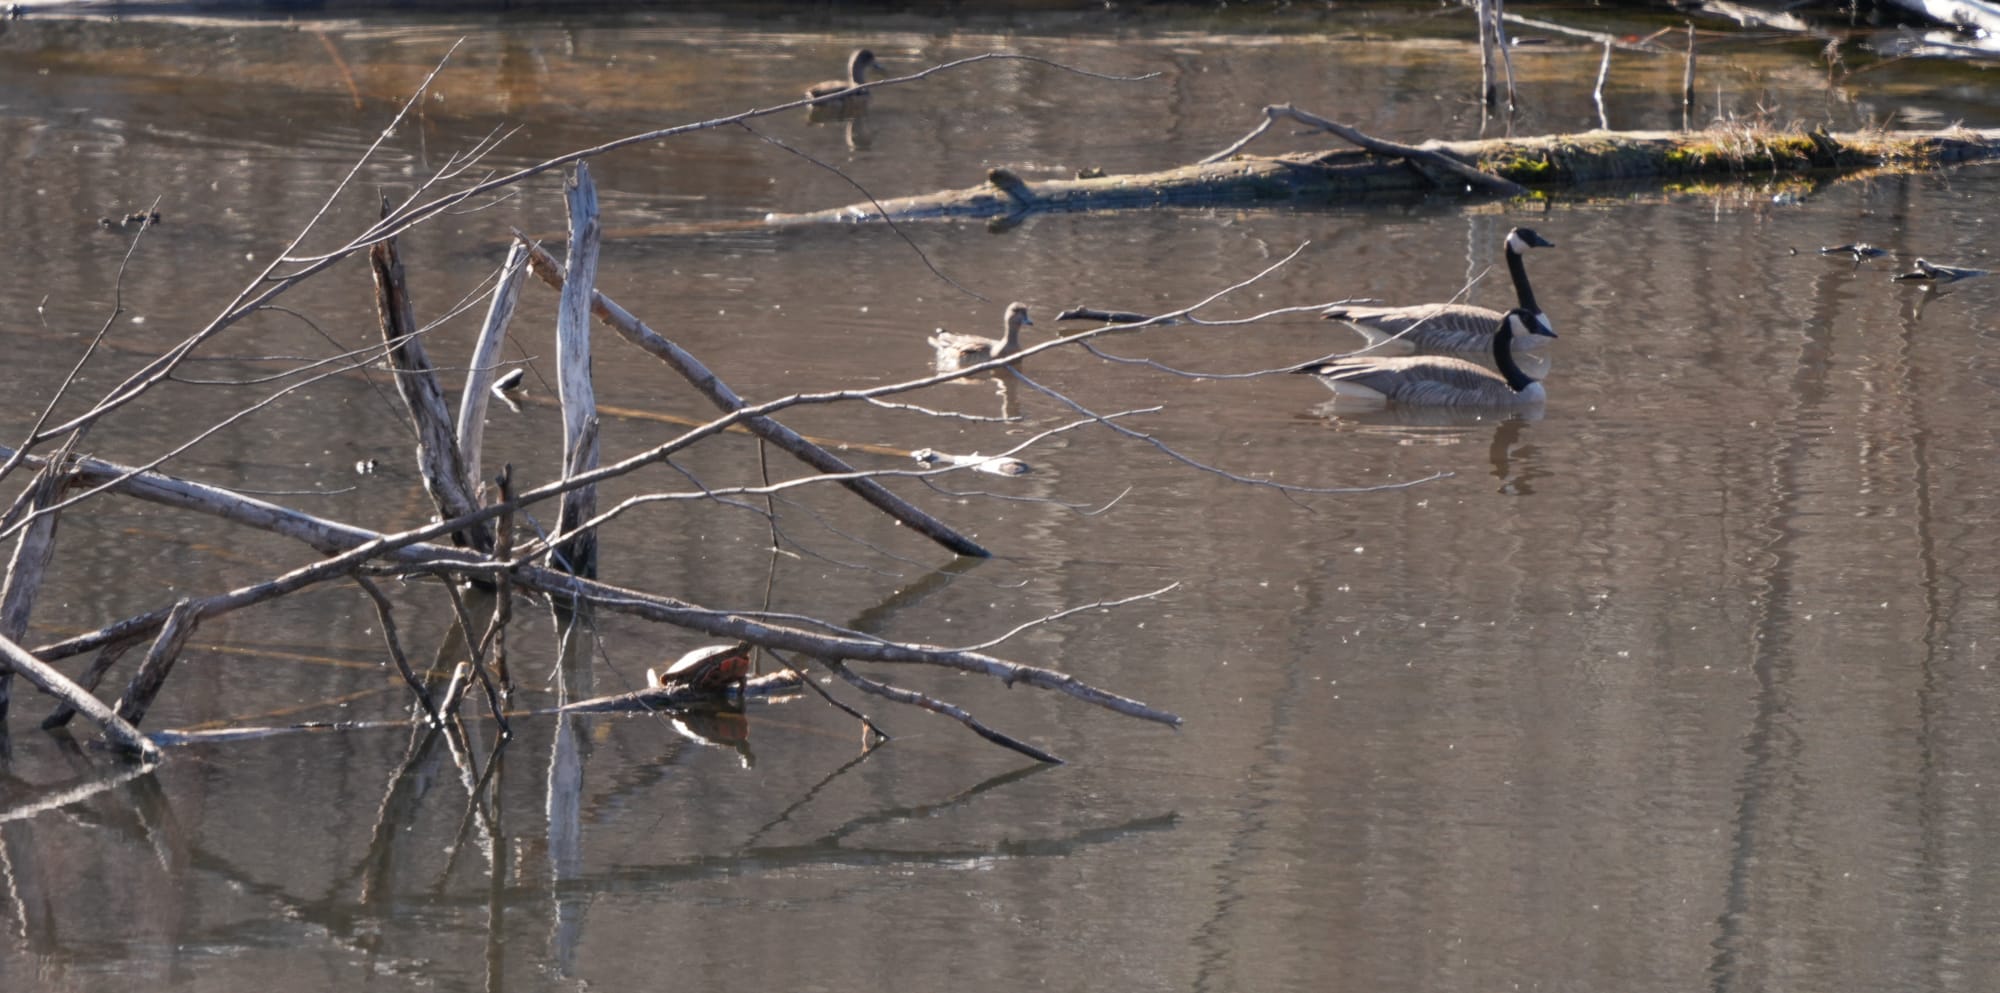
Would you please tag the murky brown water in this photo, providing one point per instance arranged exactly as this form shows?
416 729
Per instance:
1683 683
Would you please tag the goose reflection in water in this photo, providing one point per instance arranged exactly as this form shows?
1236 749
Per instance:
1513 460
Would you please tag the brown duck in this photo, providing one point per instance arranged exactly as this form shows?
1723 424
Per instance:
956 351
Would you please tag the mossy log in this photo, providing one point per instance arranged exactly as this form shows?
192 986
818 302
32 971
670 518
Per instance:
1541 165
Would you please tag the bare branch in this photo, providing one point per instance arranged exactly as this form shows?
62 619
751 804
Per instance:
53 682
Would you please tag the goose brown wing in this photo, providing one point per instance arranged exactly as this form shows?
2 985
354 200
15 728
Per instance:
1456 327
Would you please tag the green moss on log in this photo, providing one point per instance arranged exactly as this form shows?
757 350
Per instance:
1542 164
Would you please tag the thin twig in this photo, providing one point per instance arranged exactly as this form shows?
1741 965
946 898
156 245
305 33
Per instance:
936 706
386 613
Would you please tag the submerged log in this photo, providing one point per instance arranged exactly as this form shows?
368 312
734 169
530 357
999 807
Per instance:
1546 163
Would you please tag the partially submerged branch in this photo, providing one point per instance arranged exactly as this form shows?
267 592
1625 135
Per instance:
1495 166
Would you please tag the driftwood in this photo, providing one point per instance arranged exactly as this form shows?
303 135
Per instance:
1550 162
53 682
577 551
414 551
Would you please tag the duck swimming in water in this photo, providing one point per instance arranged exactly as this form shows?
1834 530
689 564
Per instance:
956 351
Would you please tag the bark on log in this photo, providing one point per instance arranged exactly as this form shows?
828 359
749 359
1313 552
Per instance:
577 552
1548 162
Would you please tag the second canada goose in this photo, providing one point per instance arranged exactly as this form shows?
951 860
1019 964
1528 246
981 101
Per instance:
1438 380
834 92
956 351
1452 327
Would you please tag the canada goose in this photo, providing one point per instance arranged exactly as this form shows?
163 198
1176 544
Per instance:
833 92
956 351
1438 380
1452 327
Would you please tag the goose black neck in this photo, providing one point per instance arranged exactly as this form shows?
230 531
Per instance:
1519 270
1503 357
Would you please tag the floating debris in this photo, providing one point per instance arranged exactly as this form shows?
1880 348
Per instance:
998 465
1860 250
1105 316
1926 272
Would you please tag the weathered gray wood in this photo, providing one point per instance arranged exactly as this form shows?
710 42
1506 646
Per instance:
438 460
145 684
485 360
577 551
412 550
33 551
53 682
1346 176
718 393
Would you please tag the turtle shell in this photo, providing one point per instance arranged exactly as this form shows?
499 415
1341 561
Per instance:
709 669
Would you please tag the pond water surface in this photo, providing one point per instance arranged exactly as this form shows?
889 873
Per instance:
1684 681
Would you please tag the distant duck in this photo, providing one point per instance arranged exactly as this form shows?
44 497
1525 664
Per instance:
956 351
1438 380
1452 327
833 93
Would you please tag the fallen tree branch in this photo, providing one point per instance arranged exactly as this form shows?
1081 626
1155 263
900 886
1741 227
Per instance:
411 550
936 706
54 683
1423 156
1546 162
